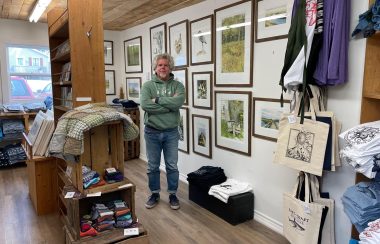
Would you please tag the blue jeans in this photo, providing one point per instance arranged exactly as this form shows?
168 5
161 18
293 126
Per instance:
166 141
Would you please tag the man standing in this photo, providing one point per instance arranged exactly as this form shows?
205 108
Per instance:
161 99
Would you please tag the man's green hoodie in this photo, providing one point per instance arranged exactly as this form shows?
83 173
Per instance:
163 112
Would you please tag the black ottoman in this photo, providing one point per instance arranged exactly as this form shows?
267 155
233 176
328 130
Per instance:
238 209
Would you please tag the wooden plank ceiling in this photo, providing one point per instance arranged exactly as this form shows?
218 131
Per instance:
117 14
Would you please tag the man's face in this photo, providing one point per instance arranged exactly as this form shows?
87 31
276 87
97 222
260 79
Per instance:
162 69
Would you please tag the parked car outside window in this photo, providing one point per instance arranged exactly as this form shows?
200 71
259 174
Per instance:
20 89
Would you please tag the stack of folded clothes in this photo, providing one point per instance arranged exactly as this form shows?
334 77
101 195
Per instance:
113 175
86 228
122 212
15 107
4 160
207 176
90 177
102 217
12 129
15 153
362 203
34 107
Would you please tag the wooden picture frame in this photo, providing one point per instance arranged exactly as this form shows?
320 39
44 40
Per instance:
201 40
178 43
183 130
158 41
233 36
266 117
110 82
233 121
202 90
181 76
202 135
133 55
272 19
133 88
108 52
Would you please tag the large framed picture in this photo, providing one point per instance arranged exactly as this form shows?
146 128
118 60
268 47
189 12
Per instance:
181 76
133 88
110 82
272 19
178 44
133 55
233 121
201 40
183 130
158 43
233 49
202 90
266 117
202 135
108 52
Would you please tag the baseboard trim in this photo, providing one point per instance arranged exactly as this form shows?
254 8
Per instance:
268 222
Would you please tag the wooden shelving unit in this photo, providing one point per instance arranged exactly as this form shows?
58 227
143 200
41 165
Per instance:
370 107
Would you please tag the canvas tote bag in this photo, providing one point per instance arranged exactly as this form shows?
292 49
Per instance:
301 219
301 146
328 231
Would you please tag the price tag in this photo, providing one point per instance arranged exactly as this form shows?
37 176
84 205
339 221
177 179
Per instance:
95 194
126 185
131 232
111 170
292 119
69 194
69 169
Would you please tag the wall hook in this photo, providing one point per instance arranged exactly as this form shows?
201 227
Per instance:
88 33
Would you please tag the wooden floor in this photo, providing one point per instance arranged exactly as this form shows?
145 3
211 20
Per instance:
189 224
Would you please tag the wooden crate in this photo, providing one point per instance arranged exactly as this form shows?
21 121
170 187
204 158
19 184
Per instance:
79 206
103 148
116 236
132 148
42 179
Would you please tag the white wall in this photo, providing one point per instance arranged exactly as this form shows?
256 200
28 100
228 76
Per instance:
268 180
20 33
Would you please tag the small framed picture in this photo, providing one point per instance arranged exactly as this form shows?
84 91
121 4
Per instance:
201 40
202 135
183 130
133 55
110 82
266 117
178 43
202 90
158 43
133 88
108 52
233 50
272 19
233 121
181 76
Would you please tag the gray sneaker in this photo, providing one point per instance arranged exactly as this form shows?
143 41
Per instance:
153 200
173 201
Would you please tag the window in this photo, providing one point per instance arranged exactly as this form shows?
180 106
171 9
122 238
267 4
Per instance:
29 73
20 61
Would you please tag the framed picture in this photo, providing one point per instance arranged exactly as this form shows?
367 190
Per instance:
201 40
158 43
133 87
233 49
181 76
178 44
110 82
202 90
233 121
133 55
183 129
266 117
108 52
272 19
202 135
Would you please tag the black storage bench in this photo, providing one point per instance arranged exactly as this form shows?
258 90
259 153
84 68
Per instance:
238 209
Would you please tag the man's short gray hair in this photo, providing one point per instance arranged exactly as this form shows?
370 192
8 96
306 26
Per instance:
166 56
